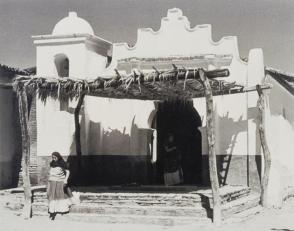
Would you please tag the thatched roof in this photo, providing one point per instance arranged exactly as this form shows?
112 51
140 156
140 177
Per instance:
10 72
155 85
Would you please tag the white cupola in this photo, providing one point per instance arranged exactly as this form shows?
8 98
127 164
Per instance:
72 24
72 50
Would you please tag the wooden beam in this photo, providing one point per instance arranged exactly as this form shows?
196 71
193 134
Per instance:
25 162
266 152
253 88
111 81
211 149
78 129
6 85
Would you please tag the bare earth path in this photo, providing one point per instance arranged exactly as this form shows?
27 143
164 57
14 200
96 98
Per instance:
272 220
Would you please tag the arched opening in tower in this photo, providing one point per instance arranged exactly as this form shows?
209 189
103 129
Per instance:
62 65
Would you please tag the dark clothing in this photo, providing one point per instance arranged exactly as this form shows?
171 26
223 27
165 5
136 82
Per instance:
171 159
173 174
58 163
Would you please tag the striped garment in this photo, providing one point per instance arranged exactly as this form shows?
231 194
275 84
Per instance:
56 174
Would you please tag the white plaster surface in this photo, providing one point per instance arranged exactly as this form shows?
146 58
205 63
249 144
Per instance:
55 129
116 127
255 67
176 38
72 24
231 124
280 135
73 37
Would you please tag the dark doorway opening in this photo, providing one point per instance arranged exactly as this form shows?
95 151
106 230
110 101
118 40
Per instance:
179 117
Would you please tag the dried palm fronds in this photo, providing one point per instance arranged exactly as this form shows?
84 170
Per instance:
152 85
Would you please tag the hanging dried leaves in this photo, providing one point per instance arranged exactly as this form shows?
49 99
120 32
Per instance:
153 85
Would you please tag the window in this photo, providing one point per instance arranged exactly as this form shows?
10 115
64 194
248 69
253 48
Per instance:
62 70
62 65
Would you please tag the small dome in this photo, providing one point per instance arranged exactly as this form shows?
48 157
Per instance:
72 25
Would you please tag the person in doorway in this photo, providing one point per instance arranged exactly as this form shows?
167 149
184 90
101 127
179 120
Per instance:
58 192
173 174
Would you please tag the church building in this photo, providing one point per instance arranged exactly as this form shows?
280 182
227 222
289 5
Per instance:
122 135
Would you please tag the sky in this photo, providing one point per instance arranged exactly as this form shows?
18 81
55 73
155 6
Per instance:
266 24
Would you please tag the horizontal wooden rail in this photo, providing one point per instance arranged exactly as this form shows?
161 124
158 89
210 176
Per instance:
6 85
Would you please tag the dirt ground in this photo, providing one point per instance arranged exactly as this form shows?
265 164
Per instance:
270 219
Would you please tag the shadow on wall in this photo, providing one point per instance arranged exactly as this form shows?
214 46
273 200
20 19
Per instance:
253 113
232 168
236 168
228 142
106 158
282 229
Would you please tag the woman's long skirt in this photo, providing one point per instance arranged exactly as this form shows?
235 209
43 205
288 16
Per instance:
59 202
173 178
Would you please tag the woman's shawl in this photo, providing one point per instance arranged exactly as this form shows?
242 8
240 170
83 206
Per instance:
56 174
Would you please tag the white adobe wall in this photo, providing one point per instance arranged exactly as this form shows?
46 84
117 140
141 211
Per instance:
109 127
176 38
121 115
115 125
280 135
76 54
231 124
120 119
55 129
95 60
255 75
86 58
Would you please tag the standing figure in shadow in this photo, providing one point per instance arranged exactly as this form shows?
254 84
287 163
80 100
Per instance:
173 174
58 193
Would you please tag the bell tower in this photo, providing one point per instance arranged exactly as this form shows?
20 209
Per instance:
72 50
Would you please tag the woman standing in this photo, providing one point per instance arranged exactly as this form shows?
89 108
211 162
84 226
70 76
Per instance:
59 201
173 174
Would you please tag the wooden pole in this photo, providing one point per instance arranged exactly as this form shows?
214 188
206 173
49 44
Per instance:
78 129
266 152
211 146
25 162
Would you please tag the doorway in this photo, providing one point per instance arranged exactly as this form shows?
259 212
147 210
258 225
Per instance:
179 117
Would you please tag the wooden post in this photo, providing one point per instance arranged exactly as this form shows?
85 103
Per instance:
211 142
266 152
78 129
25 162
